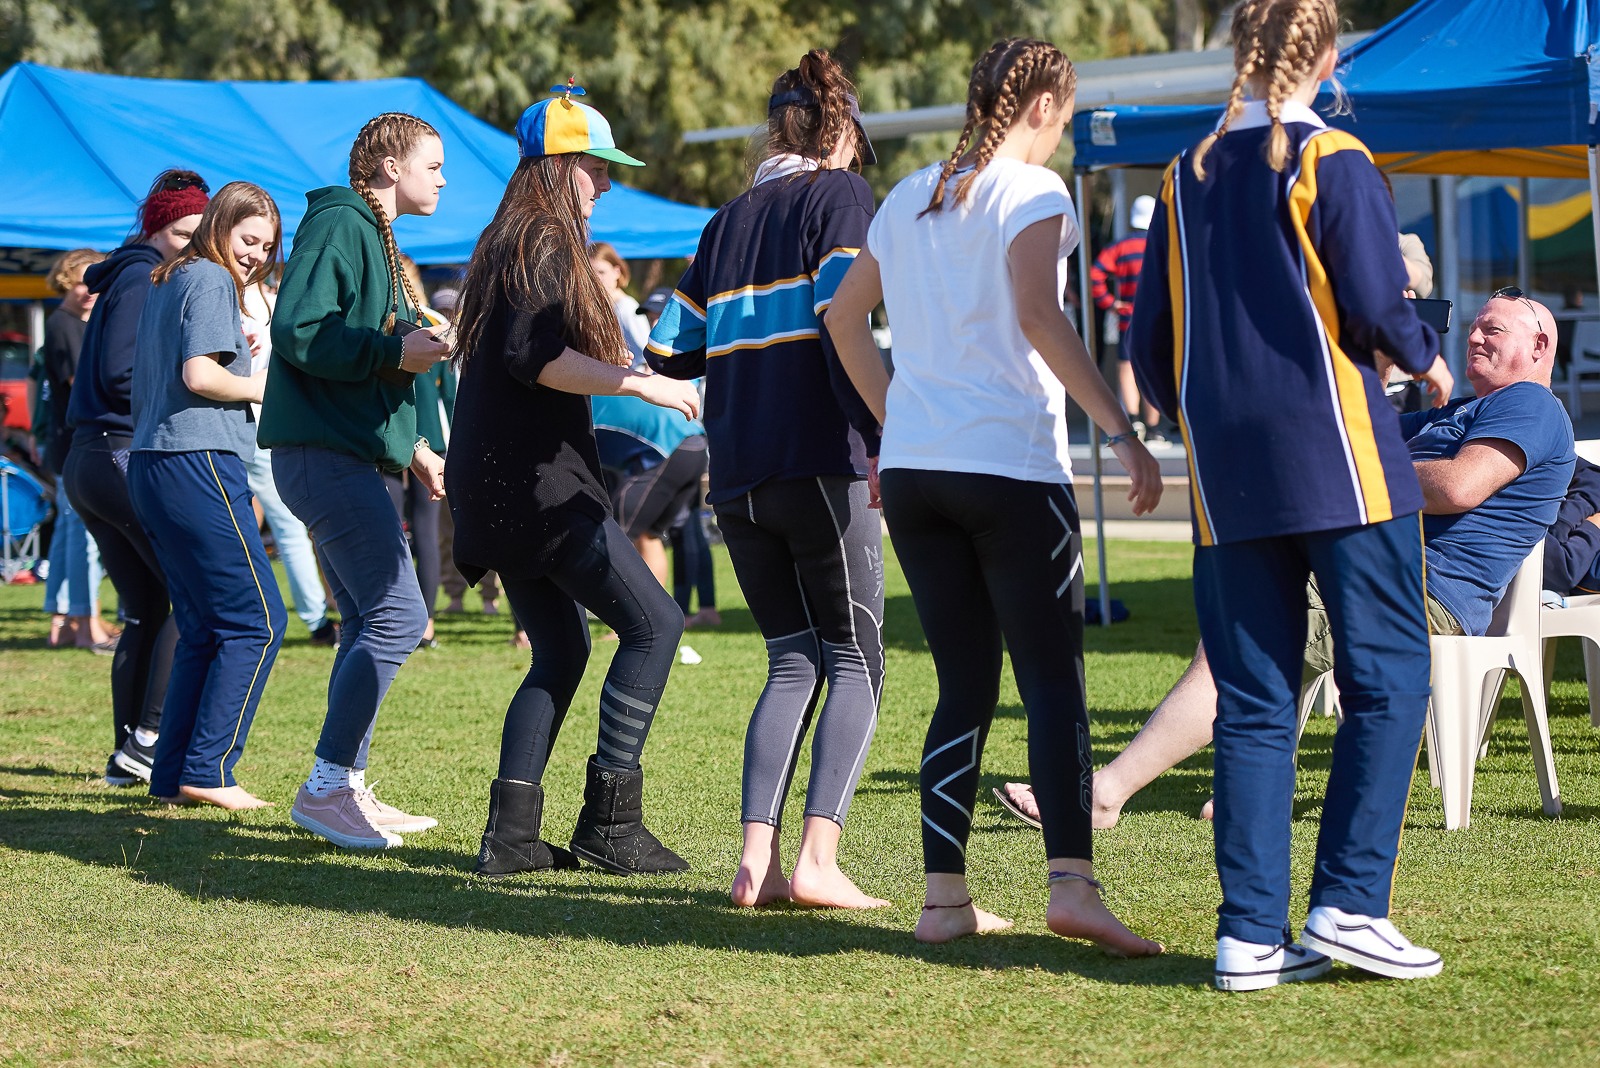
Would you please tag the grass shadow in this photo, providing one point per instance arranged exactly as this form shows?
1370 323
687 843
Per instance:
274 865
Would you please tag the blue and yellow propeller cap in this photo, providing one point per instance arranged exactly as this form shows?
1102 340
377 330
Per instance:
562 124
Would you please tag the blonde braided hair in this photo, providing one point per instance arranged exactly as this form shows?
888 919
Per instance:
396 134
1280 40
1005 80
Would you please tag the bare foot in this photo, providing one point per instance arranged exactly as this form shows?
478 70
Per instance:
706 617
1105 815
760 880
608 636
63 634
232 798
519 640
1208 809
1021 795
828 887
1076 911
947 924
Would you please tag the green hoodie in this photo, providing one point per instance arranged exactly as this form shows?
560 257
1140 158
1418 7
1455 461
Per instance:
328 341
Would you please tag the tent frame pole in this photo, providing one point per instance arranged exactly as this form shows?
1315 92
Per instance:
1594 210
1524 243
1087 317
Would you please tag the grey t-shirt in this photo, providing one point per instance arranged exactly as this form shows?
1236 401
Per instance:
196 313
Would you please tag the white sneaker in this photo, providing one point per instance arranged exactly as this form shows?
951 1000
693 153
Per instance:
1253 966
1369 943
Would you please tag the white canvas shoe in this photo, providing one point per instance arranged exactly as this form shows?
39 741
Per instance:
1370 943
1254 966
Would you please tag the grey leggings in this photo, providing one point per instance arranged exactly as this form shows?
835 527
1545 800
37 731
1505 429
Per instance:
809 556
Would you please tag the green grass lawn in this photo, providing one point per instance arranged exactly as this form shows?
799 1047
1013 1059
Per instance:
133 934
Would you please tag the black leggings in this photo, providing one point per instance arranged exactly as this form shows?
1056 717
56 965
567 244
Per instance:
423 523
987 557
96 480
809 556
600 571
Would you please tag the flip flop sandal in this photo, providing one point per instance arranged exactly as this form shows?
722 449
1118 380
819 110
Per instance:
1011 807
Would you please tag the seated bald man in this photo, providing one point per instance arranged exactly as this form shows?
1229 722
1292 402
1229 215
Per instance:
1494 469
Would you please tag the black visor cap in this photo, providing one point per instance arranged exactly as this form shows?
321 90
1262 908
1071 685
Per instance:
805 98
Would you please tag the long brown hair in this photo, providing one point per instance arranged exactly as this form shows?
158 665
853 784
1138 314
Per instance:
534 253
213 237
394 133
1280 42
809 130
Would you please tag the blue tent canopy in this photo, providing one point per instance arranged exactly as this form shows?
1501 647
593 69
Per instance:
1446 76
80 150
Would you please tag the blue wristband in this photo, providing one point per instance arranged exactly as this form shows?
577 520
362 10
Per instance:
1121 437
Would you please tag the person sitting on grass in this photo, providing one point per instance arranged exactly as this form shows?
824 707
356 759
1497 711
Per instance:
1495 472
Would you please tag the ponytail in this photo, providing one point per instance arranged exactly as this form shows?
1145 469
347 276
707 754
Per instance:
812 122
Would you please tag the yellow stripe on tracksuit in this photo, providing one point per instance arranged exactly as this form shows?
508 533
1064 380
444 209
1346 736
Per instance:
1175 255
1348 383
265 610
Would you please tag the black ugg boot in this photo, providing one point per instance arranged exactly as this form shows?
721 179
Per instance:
609 834
511 838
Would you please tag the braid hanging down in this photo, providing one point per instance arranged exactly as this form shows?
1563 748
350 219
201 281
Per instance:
396 134
1005 80
1276 46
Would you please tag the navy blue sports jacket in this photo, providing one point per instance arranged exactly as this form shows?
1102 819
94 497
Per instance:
1262 298
1573 545
748 316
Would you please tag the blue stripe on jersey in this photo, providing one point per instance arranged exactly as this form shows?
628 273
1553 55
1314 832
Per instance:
681 328
829 273
756 317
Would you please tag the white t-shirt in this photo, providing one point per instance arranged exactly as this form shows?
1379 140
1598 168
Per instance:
256 317
969 392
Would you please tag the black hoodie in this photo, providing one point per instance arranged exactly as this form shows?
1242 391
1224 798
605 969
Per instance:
103 389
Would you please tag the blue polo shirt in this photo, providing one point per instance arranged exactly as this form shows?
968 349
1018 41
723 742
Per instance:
1473 555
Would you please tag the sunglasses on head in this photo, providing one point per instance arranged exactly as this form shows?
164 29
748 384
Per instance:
1513 293
176 182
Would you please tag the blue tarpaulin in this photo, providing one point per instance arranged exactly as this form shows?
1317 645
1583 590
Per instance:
1445 76
80 150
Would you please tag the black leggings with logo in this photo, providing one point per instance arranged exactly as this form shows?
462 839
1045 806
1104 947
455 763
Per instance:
990 557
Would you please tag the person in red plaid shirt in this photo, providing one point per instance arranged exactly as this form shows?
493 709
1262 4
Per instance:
1122 261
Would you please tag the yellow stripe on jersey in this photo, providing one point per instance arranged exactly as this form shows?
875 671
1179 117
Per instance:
1175 253
782 283
1348 383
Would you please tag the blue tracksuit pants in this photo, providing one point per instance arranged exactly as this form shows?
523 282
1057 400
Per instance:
1251 597
196 508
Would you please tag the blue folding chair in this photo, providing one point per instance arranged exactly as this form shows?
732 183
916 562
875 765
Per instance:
23 508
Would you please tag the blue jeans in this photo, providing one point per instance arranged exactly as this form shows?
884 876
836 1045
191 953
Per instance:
73 584
294 545
345 505
196 508
1251 597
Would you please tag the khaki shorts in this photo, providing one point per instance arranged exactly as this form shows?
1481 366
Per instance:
1319 634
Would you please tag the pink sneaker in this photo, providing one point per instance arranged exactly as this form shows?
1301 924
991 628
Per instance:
345 817
390 818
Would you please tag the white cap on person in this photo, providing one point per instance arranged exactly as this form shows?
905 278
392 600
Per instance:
1144 208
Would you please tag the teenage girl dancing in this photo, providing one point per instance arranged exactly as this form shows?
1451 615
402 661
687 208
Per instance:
194 432
970 259
339 412
96 472
790 440
537 338
1271 278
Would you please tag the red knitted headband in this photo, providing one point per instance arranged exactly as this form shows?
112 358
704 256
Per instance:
166 206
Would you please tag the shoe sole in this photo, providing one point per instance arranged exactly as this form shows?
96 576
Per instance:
612 866
415 826
1367 962
344 841
132 767
1239 982
119 781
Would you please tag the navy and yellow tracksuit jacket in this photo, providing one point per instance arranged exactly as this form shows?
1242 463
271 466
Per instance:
748 316
1262 299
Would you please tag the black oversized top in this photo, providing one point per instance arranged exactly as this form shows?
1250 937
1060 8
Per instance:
523 474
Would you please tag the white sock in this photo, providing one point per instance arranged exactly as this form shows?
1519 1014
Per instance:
144 738
358 778
327 776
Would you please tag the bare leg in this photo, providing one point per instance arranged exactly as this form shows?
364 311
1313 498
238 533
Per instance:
760 879
1179 728
654 554
817 879
1127 386
228 797
949 913
1076 911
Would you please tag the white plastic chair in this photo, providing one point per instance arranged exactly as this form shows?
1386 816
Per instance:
1469 675
1585 360
1580 619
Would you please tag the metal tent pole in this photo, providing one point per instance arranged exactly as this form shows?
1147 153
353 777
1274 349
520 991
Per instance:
1448 269
1094 434
1594 209
1524 242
